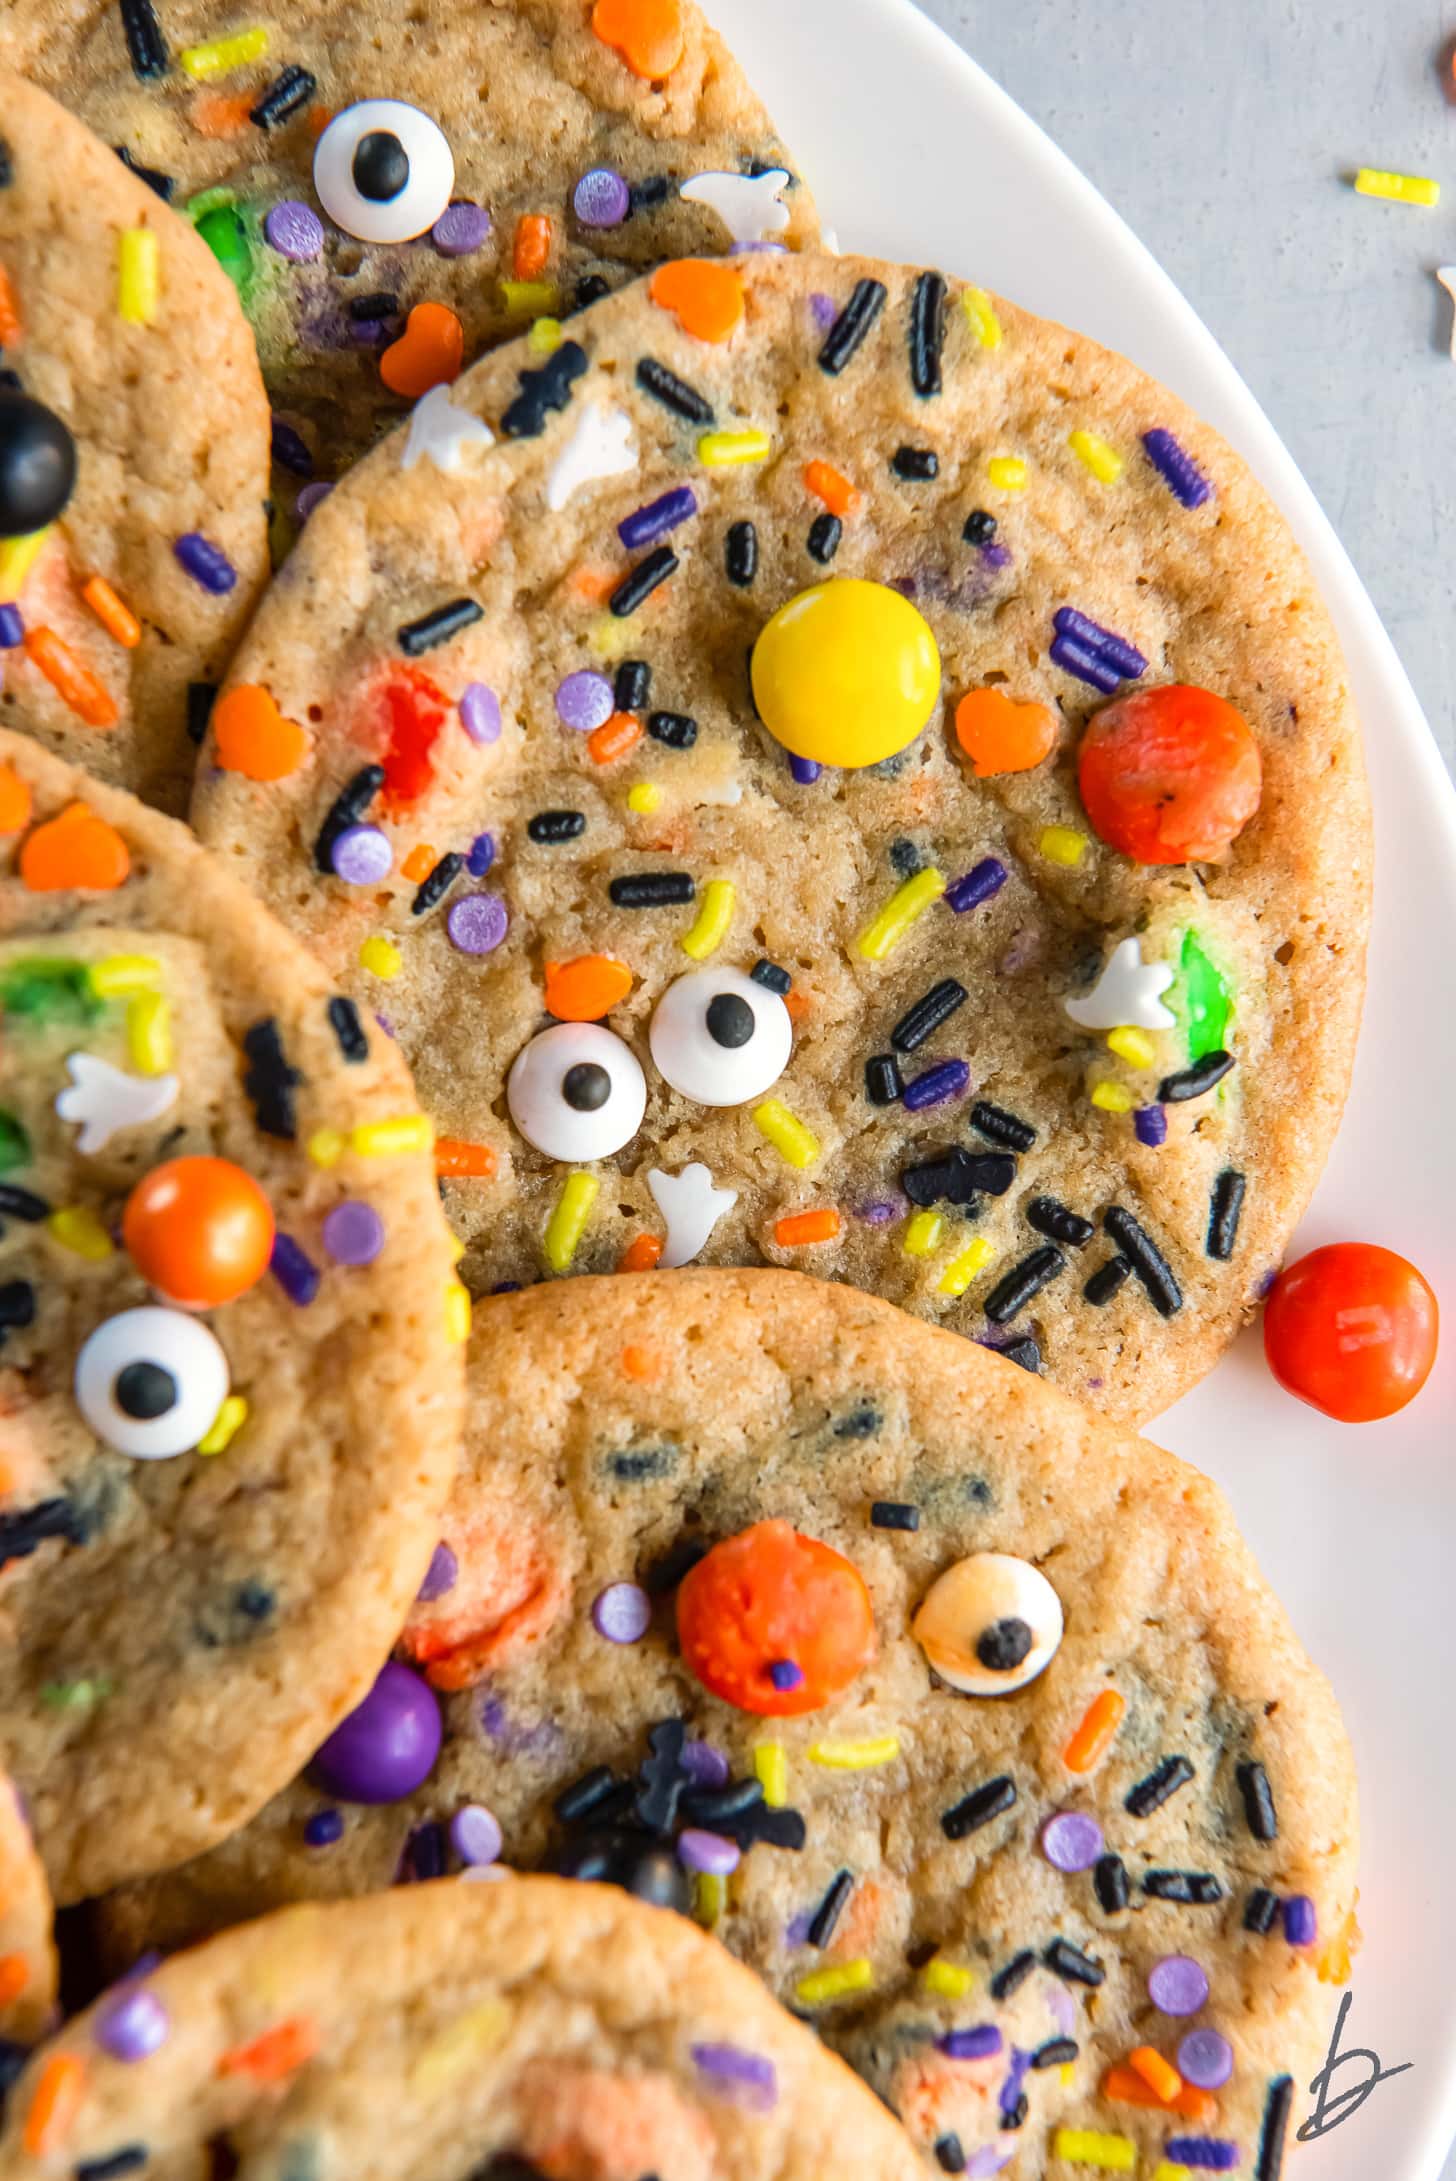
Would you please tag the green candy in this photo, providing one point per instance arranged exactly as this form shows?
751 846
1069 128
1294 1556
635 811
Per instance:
49 988
223 231
14 1144
1206 999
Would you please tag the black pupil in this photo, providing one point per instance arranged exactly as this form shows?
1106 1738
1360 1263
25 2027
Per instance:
730 1020
381 166
586 1087
145 1390
1003 1645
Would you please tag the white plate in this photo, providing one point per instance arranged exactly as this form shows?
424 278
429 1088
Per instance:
915 154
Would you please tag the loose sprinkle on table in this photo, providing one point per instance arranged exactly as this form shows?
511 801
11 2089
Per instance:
1419 189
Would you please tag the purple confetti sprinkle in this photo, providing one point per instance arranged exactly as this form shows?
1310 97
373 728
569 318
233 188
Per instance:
293 1269
988 2160
441 1575
361 855
947 1079
1177 1985
1150 1126
290 448
622 1613
12 628
645 525
978 885
1177 468
295 231
746 2076
797 1929
785 1675
700 1851
1300 1923
1211 2154
480 855
1087 666
708 1766
805 770
205 562
480 713
477 923
981 2043
1071 1841
461 228
133 2027
1205 2059
353 1233
385 1024
1106 643
825 310
323 1829
601 198
475 1834
880 1212
309 499
584 700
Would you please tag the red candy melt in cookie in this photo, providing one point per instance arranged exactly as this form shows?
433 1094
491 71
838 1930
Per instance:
1170 775
775 1623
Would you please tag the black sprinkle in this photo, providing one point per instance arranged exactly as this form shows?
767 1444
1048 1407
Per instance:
145 45
1200 1888
633 685
200 699
905 858
861 1423
666 1572
1010 1296
17 1305
1270 2161
254 1600
1225 1209
269 1081
1051 1218
23 1204
978 1808
1193 1082
883 1080
12 2060
437 627
1071 1964
674 393
1146 1260
585 1794
427 1851
1106 1281
1161 1784
676 730
7 165
826 533
642 196
1258 1797
849 331
663 1777
917 465
589 291
557 825
927 334
25 1533
160 184
771 977
1014 2116
635 589
646 1462
126 2160
894 1514
1109 1878
926 1016
740 555
830 1909
544 390
366 310
1025 1353
980 527
348 1030
294 88
652 890
346 809
1056 2052
1001 1127
1014 1975
722 1805
949 2155
1260 1910
435 887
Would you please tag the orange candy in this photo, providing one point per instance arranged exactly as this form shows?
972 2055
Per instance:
276 2054
531 253
705 297
428 353
835 490
647 33
1099 1723
614 738
587 988
768 1599
199 1230
78 850
1169 775
14 801
75 684
251 736
1000 735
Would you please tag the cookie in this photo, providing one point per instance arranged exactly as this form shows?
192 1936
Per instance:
967 1722
939 1020
546 151
27 1954
230 1366
133 459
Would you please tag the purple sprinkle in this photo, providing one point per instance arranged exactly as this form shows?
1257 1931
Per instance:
461 228
1213 2154
480 713
1015 2077
1088 666
700 1851
645 525
480 855
1205 2059
584 700
708 1766
309 499
366 332
996 555
362 855
133 2027
602 198
797 1929
947 1079
441 1575
205 562
12 628
294 1271
386 1025
477 923
758 249
738 2074
1071 1841
1177 468
295 231
804 770
785 1675
981 2043
988 2160
622 1613
1177 1985
290 449
1150 1125
323 1829
1300 1925
825 310
353 1233
1061 2007
878 1214
1115 649
475 1834
978 885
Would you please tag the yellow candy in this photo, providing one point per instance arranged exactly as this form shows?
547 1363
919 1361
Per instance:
1063 844
847 673
116 976
1110 1097
149 1033
1089 2147
771 1770
732 450
530 298
545 337
381 957
786 1132
1007 472
644 798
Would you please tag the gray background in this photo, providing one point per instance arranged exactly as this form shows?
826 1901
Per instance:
1225 131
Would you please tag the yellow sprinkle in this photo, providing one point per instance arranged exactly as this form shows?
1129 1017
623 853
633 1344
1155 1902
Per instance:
947 1979
388 1139
961 1270
1105 463
713 919
567 1224
1166 2170
460 2046
117 976
1063 844
1066 2073
1088 2147
730 450
381 957
326 1146
710 1898
1007 472
842 1755
981 316
837 1983
149 1033
545 337
457 1313
1400 188
884 932
786 1132
608 638
81 1232
771 1770
1110 1097
17 557
1132 1045
220 56
457 1249
922 1236
138 275
644 798
531 298
225 1426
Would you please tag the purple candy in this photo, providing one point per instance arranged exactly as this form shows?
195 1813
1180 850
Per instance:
480 855
441 1576
1071 1841
804 770
982 2043
480 713
1300 1925
708 1766
700 1851
290 449
1205 2059
746 2076
947 1079
980 884
295 231
477 923
205 562
323 1829
602 198
1177 1985
645 525
293 1269
387 1747
622 1613
1177 468
1150 1126
475 1834
309 499
1210 2154
584 701
12 628
785 1675
133 2026
361 855
353 1233
461 228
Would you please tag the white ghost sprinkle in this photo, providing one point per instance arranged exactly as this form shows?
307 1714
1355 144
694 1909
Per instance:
692 1208
1127 992
440 433
104 1100
749 205
601 446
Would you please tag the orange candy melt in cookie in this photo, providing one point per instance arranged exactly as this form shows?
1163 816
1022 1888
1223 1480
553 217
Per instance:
251 735
1170 775
78 850
587 988
429 352
771 1599
199 1230
999 735
705 297
647 33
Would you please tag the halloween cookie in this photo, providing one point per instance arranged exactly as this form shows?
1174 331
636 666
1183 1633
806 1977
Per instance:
968 1723
229 1337
390 196
27 1954
1008 964
133 458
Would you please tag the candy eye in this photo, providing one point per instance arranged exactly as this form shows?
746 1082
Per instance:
383 171
577 1092
990 1625
150 1382
719 1038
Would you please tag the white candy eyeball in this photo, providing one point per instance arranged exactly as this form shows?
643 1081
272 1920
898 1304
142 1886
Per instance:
990 1625
383 170
577 1092
719 1038
150 1382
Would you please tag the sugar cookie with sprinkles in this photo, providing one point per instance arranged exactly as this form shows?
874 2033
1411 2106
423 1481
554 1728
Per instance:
28 1967
393 194
230 1336
133 459
967 1721
1007 963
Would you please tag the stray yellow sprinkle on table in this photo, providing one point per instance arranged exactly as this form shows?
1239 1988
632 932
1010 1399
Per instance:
1088 2147
81 1232
786 1132
981 317
961 1270
545 337
381 957
1007 472
460 2046
844 1755
531 298
922 1236
138 276
117 976
1105 463
389 1139
1132 1045
1063 844
1399 188
837 1983
710 1898
644 798
149 1033
711 926
1110 1097
771 1770
884 932
567 1224
220 56
947 1979
225 1426
457 1313
17 557
326 1146
730 450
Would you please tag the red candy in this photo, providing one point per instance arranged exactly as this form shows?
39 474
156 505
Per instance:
767 1599
1170 775
1352 1330
415 712
198 1230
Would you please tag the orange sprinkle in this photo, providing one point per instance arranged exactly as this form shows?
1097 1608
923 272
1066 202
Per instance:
54 2103
14 801
643 1364
802 1227
217 117
1161 2077
419 863
115 616
999 735
593 582
827 484
640 1255
251 735
73 683
797 1003
532 252
1100 1722
76 849
1192 2103
11 323
647 33
614 738
461 1161
278 2052
14 1976
428 353
1124 2086
587 988
704 295
319 118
